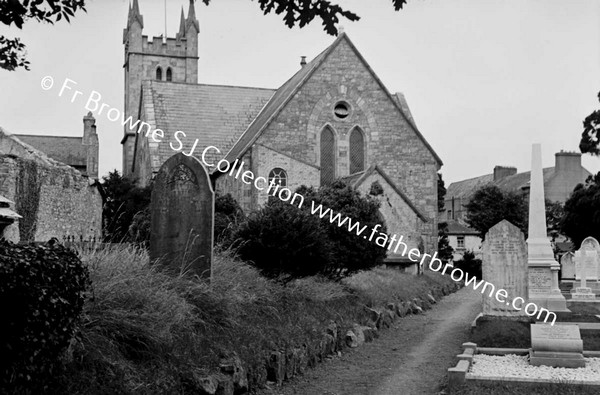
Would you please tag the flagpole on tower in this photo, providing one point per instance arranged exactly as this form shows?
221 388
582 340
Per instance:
165 20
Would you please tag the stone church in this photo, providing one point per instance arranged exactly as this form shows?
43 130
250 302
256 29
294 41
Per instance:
332 119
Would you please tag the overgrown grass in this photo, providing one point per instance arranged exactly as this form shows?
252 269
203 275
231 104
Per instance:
144 331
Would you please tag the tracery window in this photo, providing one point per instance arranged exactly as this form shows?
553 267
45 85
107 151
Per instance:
169 74
159 74
279 176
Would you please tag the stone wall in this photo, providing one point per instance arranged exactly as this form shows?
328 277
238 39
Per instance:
298 173
400 218
54 199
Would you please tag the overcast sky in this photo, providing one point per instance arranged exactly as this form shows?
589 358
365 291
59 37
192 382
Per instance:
484 79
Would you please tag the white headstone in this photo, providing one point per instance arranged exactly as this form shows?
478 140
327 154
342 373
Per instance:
567 265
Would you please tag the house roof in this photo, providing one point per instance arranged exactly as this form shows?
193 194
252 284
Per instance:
66 149
356 179
214 114
456 228
466 188
12 145
287 91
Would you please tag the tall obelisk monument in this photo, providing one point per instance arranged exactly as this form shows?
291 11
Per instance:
542 268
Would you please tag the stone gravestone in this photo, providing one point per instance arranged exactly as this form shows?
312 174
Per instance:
567 265
559 346
182 214
587 260
504 264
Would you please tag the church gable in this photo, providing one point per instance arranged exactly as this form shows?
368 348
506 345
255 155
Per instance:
399 213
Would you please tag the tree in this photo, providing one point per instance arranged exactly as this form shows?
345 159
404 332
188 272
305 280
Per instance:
469 264
123 200
490 205
590 138
302 12
445 251
582 211
12 51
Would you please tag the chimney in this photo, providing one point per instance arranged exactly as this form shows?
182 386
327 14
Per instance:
302 61
567 162
501 172
88 123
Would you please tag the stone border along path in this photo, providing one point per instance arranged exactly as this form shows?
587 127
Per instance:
411 357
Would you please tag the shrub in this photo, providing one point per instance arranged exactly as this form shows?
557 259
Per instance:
350 253
42 291
281 240
469 264
228 216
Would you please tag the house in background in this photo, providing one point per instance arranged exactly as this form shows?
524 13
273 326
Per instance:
462 238
559 182
81 153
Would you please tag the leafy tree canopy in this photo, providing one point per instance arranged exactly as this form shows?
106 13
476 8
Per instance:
12 51
302 12
123 199
590 138
490 205
445 251
582 211
295 13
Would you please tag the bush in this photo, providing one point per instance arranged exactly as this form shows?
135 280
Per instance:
469 264
42 291
228 216
281 240
350 253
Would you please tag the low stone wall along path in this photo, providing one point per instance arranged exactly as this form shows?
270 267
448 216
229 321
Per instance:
410 358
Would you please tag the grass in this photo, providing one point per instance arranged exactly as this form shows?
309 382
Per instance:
514 334
525 388
144 331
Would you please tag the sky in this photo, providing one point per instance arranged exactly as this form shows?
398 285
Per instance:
484 79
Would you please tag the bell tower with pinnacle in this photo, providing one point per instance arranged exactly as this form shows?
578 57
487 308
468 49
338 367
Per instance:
165 59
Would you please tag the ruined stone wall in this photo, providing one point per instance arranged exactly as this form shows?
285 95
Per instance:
53 200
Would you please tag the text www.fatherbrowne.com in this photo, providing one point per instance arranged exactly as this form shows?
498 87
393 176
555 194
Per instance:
93 103
394 242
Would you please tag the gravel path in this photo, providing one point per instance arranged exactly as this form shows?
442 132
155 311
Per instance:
410 358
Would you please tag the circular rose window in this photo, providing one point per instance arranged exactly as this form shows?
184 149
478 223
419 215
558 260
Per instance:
341 110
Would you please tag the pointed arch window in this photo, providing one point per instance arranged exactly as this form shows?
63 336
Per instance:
159 74
327 156
357 151
169 74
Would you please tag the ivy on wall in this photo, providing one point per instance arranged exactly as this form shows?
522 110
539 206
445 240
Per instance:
28 198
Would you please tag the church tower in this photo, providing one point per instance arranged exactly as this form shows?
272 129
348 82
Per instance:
164 59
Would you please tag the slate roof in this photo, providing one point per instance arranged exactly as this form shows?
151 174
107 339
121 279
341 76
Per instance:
287 91
456 228
356 179
214 114
466 188
68 150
